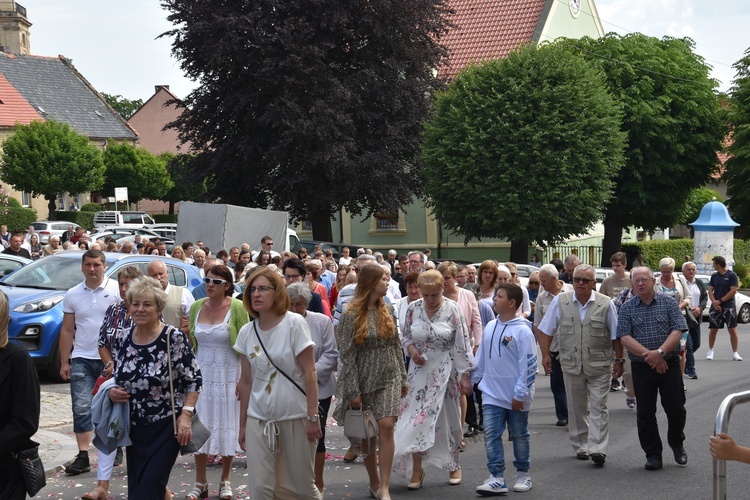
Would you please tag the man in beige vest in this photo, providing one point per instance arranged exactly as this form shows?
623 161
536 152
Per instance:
179 299
585 324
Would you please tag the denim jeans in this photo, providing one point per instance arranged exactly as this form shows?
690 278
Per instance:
495 421
83 375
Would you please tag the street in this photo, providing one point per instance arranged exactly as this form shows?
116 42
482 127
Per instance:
555 471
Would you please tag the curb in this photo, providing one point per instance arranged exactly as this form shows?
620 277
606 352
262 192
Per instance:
55 449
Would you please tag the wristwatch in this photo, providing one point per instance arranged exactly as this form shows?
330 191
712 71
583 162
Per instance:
191 409
312 418
661 353
619 360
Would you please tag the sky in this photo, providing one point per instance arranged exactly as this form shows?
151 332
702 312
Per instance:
113 43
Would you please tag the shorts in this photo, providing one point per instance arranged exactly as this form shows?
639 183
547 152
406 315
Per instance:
83 375
719 319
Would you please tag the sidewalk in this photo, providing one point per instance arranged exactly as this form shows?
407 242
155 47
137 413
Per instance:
57 443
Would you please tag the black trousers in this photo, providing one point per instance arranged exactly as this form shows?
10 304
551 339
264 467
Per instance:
150 459
647 383
471 410
557 385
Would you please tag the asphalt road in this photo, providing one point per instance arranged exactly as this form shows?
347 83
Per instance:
555 472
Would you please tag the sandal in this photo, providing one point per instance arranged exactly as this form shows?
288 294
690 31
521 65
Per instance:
225 492
199 491
99 493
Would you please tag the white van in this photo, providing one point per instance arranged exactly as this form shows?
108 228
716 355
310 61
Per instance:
134 219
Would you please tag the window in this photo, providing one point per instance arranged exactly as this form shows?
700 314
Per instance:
387 222
25 199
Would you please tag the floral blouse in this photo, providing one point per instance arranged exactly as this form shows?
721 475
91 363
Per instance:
116 325
371 366
143 372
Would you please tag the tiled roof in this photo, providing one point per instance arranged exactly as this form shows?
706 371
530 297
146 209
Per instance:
13 107
58 92
488 29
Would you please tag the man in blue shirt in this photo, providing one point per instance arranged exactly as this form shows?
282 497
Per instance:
650 326
722 287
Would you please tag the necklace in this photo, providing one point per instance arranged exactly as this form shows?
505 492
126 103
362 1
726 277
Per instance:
432 311
212 311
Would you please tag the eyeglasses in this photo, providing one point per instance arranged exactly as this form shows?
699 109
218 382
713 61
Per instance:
585 281
269 243
533 282
215 281
291 277
642 280
261 289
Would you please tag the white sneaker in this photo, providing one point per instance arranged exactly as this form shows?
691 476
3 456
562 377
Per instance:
710 354
523 482
493 486
736 356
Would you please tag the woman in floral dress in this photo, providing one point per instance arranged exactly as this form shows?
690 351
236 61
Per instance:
430 429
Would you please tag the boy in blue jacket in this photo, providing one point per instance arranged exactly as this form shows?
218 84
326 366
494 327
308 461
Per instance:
506 369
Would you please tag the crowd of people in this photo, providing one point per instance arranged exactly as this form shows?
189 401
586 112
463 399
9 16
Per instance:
269 344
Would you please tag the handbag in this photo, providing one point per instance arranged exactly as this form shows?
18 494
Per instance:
360 424
321 413
200 433
32 469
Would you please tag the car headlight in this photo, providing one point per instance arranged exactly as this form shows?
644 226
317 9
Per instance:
39 305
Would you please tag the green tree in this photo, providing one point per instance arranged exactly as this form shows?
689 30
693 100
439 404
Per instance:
523 148
45 158
309 105
694 203
673 122
737 172
185 187
144 174
124 107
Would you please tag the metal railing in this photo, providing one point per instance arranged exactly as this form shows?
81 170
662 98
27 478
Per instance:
722 425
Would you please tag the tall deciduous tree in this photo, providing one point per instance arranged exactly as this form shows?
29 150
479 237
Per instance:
737 173
45 158
523 148
185 185
124 107
309 105
144 174
673 122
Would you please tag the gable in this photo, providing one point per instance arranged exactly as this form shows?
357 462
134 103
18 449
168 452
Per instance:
58 92
562 21
13 107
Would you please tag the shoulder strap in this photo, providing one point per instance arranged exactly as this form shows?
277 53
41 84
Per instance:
257 335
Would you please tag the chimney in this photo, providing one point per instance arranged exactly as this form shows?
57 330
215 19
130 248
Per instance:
157 88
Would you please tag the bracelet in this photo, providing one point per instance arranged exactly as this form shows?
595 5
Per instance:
109 363
619 360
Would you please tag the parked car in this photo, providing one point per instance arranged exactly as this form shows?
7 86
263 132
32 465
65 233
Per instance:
742 301
123 230
164 229
11 263
46 228
124 218
36 291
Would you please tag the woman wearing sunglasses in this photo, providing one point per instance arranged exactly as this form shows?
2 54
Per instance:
214 324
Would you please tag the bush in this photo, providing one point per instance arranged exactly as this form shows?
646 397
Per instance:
165 218
655 250
84 219
12 202
17 218
91 207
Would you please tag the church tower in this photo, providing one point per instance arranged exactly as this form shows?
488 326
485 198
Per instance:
14 28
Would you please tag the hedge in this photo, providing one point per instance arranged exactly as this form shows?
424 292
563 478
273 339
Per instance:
85 219
17 218
91 207
165 218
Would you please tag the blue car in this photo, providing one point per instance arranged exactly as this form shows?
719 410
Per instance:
36 291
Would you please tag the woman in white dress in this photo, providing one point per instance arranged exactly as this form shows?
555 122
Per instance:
214 324
429 429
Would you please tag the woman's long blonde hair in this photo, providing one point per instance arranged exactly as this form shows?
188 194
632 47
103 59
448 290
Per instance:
367 278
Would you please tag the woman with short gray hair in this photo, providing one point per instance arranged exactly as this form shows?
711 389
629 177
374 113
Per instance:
326 359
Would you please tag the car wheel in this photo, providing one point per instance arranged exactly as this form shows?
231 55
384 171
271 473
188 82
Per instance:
53 368
744 315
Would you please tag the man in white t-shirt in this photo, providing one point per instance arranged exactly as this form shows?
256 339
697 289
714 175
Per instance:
84 307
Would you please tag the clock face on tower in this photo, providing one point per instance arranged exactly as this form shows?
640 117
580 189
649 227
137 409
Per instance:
575 7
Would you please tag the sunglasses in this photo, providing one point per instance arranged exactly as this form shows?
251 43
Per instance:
215 281
585 281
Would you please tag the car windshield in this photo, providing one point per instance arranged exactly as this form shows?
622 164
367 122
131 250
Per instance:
49 273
